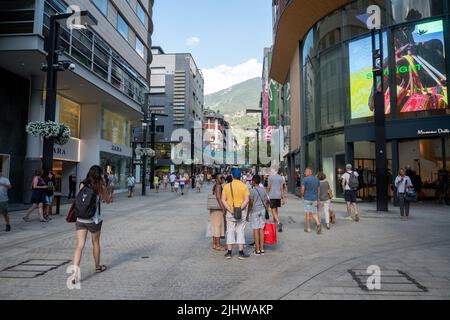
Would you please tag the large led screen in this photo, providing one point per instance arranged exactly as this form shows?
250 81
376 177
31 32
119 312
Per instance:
361 77
420 67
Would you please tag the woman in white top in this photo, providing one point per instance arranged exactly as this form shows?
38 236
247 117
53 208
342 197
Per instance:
403 182
96 182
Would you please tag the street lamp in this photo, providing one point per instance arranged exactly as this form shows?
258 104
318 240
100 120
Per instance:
52 68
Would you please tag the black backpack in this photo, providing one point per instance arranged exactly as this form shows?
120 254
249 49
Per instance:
353 181
86 204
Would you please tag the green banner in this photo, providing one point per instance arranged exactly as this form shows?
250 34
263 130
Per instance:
273 102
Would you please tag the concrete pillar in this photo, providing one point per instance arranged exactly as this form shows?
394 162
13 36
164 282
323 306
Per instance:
90 132
36 112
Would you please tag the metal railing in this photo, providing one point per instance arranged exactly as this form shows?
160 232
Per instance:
89 49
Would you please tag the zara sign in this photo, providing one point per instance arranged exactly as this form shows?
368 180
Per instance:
67 152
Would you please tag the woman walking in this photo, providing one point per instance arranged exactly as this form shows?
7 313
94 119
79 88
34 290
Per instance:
95 182
325 196
218 216
37 197
258 209
403 182
131 183
50 182
165 182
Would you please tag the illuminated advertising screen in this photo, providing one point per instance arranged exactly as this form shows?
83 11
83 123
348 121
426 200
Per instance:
361 77
420 64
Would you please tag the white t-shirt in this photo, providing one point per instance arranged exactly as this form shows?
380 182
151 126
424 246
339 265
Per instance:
172 178
3 189
401 185
346 176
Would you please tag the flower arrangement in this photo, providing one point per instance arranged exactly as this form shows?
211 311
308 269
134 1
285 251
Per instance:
50 129
148 152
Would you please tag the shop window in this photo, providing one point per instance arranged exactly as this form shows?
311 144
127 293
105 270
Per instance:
115 128
70 115
410 10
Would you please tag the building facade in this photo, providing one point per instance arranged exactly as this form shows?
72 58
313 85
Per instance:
323 52
100 100
177 90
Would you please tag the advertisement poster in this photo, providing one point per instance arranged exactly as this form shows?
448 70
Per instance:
420 64
361 77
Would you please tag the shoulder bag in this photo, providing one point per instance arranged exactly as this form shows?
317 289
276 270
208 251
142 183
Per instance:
237 210
267 216
212 203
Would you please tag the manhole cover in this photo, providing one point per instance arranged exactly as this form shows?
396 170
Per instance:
391 281
33 268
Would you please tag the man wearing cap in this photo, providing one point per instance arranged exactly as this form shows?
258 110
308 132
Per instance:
235 196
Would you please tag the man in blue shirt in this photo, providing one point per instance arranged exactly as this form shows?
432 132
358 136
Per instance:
310 193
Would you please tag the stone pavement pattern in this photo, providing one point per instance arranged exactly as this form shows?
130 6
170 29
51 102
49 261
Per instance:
156 248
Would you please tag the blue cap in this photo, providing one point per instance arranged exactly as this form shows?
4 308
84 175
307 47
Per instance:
236 173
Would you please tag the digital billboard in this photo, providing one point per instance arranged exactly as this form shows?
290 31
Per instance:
361 77
420 64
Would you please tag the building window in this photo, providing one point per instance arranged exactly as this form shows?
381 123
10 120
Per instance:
140 12
102 5
411 10
115 128
122 26
140 49
69 114
160 129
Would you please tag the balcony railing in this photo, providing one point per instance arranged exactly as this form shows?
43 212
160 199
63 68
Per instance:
89 49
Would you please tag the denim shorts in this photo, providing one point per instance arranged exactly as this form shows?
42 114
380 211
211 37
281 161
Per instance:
48 200
310 206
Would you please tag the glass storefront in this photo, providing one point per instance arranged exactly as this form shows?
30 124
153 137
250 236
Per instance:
120 166
69 114
115 128
337 87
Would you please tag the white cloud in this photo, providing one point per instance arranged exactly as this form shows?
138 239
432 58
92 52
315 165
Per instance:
223 76
192 41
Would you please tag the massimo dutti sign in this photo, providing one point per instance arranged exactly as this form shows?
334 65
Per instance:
422 132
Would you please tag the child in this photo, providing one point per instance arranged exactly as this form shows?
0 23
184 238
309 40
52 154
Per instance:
258 209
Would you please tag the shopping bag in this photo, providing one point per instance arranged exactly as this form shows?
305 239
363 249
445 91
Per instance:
270 234
208 233
71 217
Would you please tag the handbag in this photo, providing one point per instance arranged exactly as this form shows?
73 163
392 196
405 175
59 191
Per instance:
267 216
237 210
212 203
71 216
270 234
411 195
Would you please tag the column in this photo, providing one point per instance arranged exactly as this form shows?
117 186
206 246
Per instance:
36 111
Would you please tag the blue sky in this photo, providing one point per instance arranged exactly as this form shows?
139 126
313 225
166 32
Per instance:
226 37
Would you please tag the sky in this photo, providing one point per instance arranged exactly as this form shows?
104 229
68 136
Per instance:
225 37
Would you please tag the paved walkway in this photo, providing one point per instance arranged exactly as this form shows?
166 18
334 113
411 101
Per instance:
155 247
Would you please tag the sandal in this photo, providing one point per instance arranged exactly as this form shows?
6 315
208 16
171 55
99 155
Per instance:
101 269
319 229
26 219
307 230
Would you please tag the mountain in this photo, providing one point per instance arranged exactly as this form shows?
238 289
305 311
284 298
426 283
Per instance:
234 101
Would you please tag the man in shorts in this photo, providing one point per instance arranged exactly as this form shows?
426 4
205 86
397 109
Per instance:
276 187
310 191
172 179
5 185
350 192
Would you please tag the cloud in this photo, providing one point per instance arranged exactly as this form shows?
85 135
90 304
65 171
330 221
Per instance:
223 76
192 41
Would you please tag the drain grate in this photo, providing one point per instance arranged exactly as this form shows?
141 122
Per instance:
391 281
31 269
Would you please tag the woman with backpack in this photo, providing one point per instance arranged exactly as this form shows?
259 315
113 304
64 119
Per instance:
37 197
93 190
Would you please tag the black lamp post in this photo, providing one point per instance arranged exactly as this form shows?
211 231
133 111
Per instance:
52 68
380 121
145 123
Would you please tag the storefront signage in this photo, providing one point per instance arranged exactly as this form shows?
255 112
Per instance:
113 148
116 148
67 152
433 132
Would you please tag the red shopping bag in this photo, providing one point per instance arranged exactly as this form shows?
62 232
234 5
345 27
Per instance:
270 234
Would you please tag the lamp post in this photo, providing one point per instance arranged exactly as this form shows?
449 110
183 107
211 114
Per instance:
52 68
145 122
380 120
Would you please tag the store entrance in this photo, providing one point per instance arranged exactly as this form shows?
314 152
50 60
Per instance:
427 162
4 164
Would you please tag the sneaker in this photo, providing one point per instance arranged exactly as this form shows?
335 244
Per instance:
280 227
262 252
8 228
228 255
26 219
328 226
243 256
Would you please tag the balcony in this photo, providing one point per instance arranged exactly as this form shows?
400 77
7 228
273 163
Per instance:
90 50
